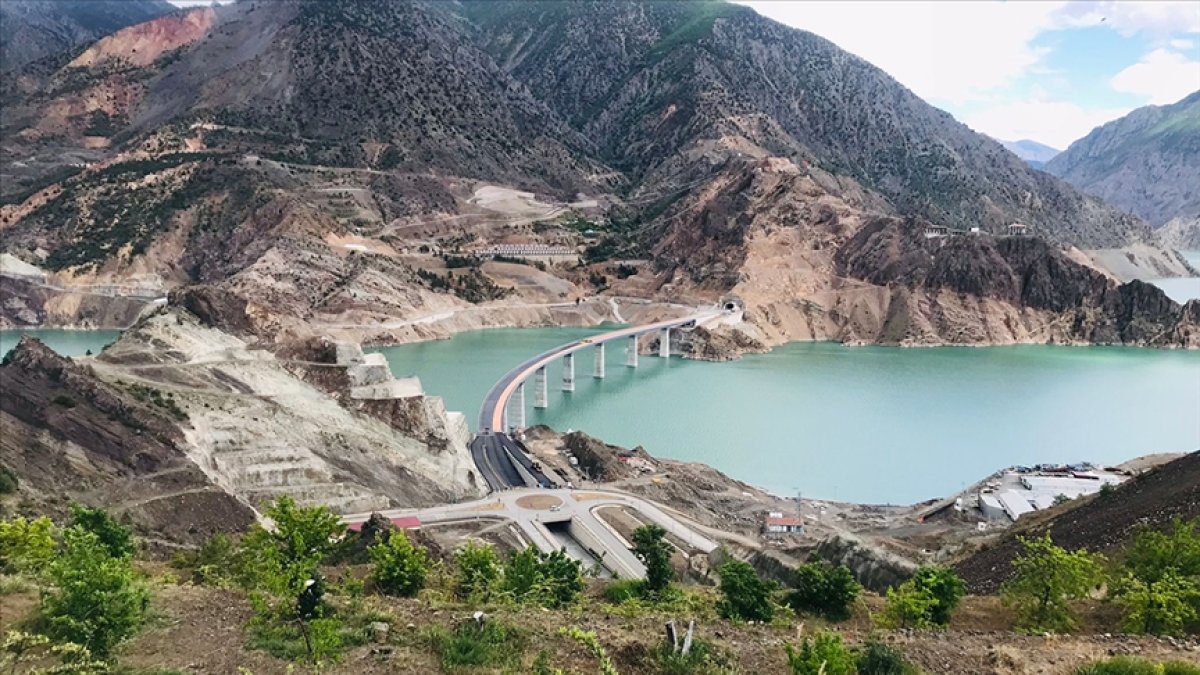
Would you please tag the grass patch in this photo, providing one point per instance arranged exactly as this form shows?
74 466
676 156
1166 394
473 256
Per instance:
1131 665
492 645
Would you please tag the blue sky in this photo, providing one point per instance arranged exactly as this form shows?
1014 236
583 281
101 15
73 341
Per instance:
1047 71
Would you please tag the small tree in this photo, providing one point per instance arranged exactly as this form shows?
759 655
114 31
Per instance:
522 574
282 569
115 536
1046 578
1162 607
655 553
26 545
478 570
824 589
399 566
561 579
926 600
744 595
97 601
822 654
908 606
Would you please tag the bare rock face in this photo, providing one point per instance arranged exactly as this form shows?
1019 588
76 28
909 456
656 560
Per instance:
1022 272
71 437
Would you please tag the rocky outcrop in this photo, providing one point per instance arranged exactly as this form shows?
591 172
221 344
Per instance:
1021 272
71 436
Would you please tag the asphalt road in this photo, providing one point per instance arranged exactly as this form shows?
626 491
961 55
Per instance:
532 509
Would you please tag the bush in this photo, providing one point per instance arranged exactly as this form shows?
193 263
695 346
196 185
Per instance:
822 654
622 590
876 658
825 590
1046 579
1160 582
702 659
8 481
478 570
96 601
399 567
1129 665
492 645
114 536
744 595
26 545
216 563
925 601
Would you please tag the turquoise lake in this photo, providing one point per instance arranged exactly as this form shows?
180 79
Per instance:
1182 289
867 424
65 342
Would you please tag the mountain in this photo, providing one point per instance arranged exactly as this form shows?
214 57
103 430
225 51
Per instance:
31 30
297 164
662 87
1147 162
1034 153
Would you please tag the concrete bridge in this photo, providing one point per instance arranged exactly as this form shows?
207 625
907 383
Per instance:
499 458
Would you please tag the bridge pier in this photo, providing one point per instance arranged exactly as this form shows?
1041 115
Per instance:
518 401
569 372
631 352
541 398
664 343
599 369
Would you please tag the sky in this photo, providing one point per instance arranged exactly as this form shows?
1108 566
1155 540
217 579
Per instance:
1045 71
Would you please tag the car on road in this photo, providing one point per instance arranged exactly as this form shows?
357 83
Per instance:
556 508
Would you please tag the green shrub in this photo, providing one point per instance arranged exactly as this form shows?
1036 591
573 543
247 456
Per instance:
1046 579
877 658
216 563
926 600
97 601
26 545
478 570
399 568
824 589
8 481
622 590
744 595
702 659
115 536
64 401
1159 586
821 654
491 645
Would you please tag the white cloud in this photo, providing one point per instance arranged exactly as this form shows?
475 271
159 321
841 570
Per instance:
1129 18
1055 123
1162 76
944 51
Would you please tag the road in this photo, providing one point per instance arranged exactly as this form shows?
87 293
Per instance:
532 509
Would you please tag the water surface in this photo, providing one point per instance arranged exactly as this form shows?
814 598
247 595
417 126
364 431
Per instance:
869 424
1182 289
65 342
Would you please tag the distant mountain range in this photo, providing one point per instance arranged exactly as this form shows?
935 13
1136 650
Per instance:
1147 163
35 29
1036 154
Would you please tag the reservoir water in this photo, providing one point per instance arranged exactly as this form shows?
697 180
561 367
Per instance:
867 424
1185 288
65 342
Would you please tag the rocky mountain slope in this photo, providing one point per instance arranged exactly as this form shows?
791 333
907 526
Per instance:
31 30
1146 163
214 149
188 417
661 87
